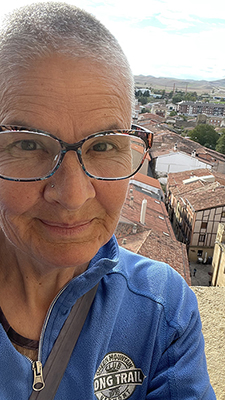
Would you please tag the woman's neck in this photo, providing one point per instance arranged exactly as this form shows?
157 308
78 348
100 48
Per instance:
25 292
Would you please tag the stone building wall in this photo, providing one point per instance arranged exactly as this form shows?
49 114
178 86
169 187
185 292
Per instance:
218 262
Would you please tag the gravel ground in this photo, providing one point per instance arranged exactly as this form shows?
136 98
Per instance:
211 302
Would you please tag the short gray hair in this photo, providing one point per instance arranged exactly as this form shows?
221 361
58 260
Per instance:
41 29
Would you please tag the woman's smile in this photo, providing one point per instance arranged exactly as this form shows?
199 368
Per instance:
66 229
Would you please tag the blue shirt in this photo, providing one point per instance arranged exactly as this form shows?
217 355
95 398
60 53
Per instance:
141 339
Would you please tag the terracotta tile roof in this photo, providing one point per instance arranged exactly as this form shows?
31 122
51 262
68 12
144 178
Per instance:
155 239
209 196
148 180
158 247
156 213
176 178
201 195
164 142
149 116
132 242
172 252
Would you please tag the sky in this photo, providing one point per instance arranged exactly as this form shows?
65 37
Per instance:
163 38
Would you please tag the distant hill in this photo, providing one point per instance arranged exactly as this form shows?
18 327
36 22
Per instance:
216 87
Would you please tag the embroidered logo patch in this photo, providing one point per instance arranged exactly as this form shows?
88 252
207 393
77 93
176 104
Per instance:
116 377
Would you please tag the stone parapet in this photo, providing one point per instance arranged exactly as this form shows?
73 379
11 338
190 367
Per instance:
211 302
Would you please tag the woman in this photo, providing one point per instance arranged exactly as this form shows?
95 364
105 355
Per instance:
64 80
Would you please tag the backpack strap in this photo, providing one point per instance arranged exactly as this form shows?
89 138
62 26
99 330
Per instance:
58 359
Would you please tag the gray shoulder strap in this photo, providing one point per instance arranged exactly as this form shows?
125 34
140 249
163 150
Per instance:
58 359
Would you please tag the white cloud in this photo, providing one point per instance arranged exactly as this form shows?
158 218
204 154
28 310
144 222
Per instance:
184 40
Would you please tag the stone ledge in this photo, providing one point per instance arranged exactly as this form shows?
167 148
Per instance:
211 301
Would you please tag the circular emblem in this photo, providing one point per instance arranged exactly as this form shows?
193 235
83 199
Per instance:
116 377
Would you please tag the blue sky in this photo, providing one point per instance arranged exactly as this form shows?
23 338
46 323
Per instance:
169 38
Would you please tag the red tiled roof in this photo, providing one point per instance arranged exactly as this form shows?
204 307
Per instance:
208 196
154 117
201 195
156 213
148 180
155 239
176 178
156 246
164 141
172 252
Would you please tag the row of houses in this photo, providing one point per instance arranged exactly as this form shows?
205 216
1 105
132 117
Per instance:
196 207
181 225
173 153
195 108
197 112
181 228
144 226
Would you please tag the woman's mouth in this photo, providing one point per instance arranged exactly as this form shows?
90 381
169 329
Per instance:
66 229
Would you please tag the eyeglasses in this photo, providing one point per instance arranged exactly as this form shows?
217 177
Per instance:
33 155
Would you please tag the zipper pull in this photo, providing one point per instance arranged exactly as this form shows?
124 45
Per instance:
38 383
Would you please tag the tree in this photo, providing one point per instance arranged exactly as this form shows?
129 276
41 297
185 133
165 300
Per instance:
222 131
191 96
205 135
220 146
178 97
146 93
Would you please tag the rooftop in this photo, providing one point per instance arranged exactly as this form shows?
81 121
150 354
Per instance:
155 237
164 141
156 213
200 194
208 196
148 180
150 116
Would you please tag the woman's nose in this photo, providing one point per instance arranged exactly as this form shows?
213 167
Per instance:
72 187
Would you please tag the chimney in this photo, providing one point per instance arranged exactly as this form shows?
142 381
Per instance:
193 154
131 201
143 211
175 147
124 241
134 230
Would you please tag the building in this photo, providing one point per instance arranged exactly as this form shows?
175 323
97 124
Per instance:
217 122
159 109
150 119
147 184
218 262
145 228
172 153
177 161
196 206
195 108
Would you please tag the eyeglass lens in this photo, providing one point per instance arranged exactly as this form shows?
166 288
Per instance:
30 155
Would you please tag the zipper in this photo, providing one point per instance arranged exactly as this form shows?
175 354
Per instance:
38 383
38 378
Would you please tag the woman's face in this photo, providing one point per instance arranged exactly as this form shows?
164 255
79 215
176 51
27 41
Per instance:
64 225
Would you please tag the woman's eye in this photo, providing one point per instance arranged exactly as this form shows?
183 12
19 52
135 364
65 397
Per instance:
102 146
28 145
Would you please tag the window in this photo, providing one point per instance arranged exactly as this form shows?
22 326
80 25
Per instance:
223 214
201 238
200 253
204 225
